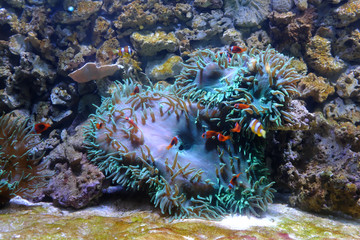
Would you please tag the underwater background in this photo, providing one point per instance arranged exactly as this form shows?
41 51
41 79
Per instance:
204 119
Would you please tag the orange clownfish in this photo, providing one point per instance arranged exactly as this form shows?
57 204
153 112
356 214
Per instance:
99 125
233 181
218 135
237 128
136 90
41 127
241 106
237 49
209 134
257 128
223 138
124 51
131 122
173 142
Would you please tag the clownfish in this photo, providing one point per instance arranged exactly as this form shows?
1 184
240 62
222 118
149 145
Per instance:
124 51
233 181
237 49
223 138
218 135
136 90
210 134
173 142
99 125
41 127
131 122
257 128
237 128
241 106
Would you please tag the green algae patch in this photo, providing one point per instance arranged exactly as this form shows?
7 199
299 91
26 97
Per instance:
318 229
37 222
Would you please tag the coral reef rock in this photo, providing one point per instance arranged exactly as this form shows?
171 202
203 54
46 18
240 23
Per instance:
248 13
75 183
232 35
316 87
290 28
164 69
347 13
205 26
319 57
151 44
210 4
282 5
82 11
302 5
340 110
323 177
259 39
348 85
347 45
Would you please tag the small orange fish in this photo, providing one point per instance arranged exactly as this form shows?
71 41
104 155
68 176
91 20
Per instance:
131 122
41 127
209 134
257 128
233 181
99 125
237 49
124 51
241 106
173 142
223 138
136 90
237 128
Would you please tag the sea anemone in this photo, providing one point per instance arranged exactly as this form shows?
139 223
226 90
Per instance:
129 139
261 79
20 171
196 176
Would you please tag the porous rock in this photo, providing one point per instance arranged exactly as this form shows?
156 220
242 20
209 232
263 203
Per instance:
319 57
348 13
347 45
348 85
150 44
319 166
166 68
75 183
316 87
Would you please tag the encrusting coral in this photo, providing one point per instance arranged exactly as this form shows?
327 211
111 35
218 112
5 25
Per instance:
152 138
20 172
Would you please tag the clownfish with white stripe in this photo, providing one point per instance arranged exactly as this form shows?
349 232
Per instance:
257 128
124 51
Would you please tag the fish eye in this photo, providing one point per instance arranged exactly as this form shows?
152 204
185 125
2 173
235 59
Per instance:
181 147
